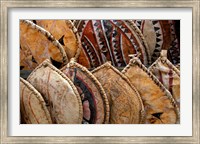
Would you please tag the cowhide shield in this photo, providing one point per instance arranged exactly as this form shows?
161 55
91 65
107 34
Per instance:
110 40
64 32
161 34
95 103
125 103
168 75
157 34
160 106
60 94
33 109
36 45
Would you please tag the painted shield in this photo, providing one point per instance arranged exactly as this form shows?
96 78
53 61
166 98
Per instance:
110 40
125 103
174 50
61 96
36 45
95 103
161 34
160 106
64 32
33 108
157 34
168 75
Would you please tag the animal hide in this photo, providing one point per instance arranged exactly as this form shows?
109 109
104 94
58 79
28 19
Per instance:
60 94
125 103
33 108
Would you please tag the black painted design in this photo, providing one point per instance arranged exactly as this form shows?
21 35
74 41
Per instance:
139 23
88 96
21 67
103 40
56 63
155 22
90 51
33 60
174 51
158 34
158 39
34 21
61 41
156 28
157 115
156 52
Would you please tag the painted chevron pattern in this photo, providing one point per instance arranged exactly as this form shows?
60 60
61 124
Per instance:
174 50
162 37
108 40
159 39
156 27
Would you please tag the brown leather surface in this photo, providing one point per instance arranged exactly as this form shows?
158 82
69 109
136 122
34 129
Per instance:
124 100
169 76
35 47
33 108
95 102
60 94
158 104
62 31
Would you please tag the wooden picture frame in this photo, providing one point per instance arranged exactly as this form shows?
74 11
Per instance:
4 77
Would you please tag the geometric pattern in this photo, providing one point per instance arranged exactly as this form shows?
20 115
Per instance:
109 40
174 50
160 34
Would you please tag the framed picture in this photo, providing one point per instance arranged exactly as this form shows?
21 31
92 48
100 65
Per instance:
187 12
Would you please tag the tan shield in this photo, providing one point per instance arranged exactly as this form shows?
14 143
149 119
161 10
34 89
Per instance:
160 106
60 94
36 45
64 32
168 75
125 103
95 103
33 108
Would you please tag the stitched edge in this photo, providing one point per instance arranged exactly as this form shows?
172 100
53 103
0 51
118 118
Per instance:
39 97
49 36
78 40
73 64
108 65
164 60
76 23
141 36
178 66
47 63
136 61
